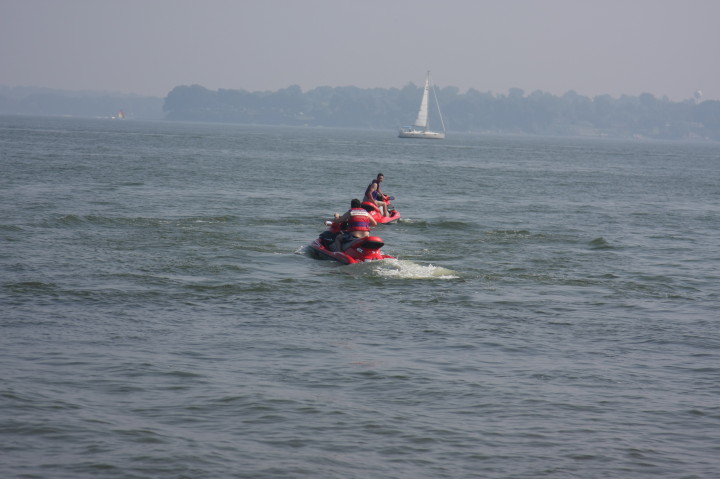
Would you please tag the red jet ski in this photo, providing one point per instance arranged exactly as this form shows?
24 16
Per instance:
357 250
377 215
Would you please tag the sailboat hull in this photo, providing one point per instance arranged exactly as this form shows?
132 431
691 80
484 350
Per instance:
422 134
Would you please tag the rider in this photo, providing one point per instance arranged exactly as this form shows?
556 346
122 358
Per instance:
358 221
374 196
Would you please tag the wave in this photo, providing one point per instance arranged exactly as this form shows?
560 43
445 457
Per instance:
439 225
510 233
600 243
453 225
77 220
31 287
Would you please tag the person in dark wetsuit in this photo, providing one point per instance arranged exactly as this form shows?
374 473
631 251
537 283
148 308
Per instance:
375 196
358 221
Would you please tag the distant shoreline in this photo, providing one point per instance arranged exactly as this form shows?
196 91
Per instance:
537 114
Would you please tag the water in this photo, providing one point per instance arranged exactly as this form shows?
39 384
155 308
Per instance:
552 312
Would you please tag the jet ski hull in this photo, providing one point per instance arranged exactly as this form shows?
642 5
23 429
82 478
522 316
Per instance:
358 251
374 211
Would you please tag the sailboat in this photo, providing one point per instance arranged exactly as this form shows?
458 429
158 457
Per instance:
421 127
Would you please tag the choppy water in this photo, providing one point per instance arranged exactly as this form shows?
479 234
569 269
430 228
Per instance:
552 312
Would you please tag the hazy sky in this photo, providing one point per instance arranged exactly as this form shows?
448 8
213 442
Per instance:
663 47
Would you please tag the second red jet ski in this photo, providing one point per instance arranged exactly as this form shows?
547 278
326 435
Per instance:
393 214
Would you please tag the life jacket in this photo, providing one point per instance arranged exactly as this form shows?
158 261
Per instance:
376 195
358 220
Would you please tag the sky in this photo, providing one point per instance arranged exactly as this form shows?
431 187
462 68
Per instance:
668 48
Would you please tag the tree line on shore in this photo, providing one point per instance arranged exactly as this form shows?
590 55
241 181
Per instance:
515 112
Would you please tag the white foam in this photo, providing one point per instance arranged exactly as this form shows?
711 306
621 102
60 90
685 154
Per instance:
395 268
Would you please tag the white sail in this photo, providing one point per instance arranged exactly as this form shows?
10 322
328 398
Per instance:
422 118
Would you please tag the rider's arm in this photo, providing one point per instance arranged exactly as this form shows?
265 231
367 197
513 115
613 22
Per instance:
369 191
342 218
